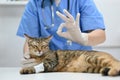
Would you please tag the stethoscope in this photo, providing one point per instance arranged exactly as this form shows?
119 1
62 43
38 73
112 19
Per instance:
69 42
53 15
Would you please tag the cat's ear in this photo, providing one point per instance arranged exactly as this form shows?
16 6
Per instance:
27 37
49 37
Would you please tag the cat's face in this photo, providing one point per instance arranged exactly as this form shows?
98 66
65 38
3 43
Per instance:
38 46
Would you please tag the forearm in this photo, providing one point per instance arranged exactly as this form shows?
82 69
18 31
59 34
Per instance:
26 50
96 37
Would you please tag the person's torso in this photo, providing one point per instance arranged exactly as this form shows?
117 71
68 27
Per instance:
49 23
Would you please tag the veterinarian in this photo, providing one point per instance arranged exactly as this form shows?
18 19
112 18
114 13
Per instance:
74 24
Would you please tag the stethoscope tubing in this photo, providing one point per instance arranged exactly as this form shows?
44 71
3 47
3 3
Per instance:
52 9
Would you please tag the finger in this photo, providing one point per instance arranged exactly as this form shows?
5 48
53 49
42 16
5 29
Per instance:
69 15
59 31
63 17
64 35
78 19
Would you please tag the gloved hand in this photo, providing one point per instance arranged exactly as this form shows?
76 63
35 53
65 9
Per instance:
27 61
73 32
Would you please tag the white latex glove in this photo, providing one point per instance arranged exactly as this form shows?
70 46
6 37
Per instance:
27 61
73 32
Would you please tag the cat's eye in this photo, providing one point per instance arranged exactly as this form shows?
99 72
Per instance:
44 43
35 50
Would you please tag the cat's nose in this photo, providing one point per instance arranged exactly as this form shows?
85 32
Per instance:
40 53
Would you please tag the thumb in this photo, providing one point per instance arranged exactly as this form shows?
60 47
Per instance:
64 35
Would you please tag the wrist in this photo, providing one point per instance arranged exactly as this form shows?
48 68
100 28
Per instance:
84 39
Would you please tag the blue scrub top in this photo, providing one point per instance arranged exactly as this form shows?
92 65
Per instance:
33 23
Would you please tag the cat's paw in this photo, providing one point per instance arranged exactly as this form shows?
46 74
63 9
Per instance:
114 72
105 71
27 70
110 72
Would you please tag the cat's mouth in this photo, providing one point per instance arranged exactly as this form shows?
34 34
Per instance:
39 54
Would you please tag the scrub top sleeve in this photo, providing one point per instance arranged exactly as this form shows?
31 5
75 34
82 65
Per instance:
29 23
90 18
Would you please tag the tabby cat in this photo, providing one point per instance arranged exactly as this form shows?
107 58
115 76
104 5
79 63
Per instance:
69 60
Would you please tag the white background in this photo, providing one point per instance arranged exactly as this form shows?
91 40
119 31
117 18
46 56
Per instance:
111 12
11 45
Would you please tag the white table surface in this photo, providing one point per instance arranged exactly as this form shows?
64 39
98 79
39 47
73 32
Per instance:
13 74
